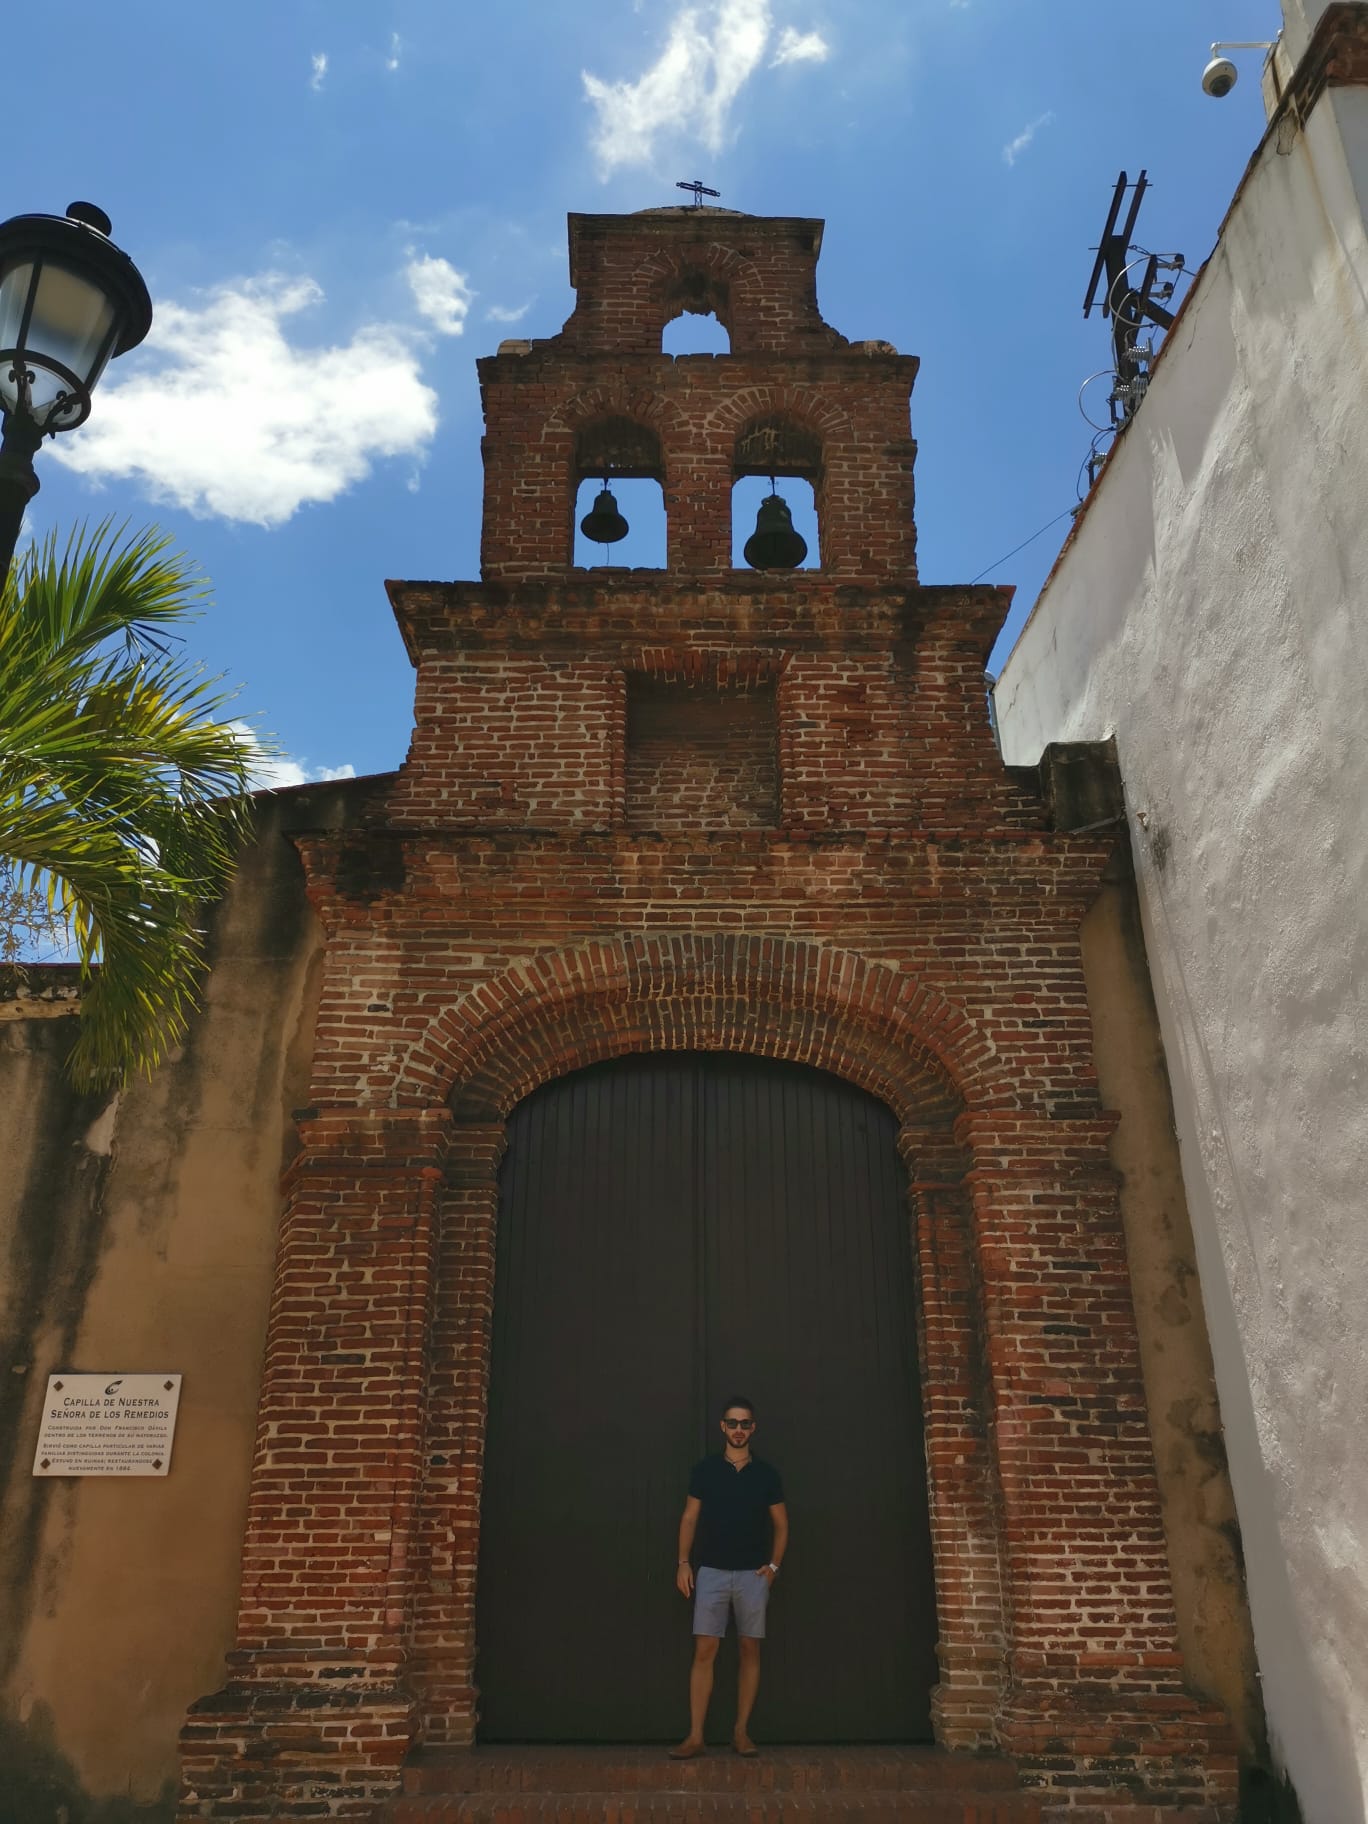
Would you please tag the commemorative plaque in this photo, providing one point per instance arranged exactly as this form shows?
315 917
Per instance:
107 1425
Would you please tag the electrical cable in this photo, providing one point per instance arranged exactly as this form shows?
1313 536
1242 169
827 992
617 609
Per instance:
1022 546
1111 374
1094 456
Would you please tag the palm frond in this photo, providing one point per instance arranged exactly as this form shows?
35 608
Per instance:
124 790
104 585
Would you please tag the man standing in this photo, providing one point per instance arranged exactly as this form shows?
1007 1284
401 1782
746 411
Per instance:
736 1508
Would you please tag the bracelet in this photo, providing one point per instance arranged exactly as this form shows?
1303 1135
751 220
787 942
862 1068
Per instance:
773 1567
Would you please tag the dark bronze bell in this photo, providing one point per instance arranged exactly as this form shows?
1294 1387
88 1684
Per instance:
774 545
603 524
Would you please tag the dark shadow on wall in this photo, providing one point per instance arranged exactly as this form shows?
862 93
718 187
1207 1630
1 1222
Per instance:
1267 1798
38 1785
51 1264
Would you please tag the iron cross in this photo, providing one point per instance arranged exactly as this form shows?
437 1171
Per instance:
700 190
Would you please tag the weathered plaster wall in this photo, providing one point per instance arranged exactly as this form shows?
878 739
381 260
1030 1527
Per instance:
137 1233
1209 611
1299 21
1180 1388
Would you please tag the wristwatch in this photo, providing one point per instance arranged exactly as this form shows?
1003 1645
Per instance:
773 1567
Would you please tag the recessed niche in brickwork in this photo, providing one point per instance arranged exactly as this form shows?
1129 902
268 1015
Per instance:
700 757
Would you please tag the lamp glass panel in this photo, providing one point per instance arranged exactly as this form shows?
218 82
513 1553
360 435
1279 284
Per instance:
71 321
14 289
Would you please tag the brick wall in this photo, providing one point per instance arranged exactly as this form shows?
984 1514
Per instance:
699 758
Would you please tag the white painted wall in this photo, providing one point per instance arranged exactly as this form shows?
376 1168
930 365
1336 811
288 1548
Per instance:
1212 612
1299 21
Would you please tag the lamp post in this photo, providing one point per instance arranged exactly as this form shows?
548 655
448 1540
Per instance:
69 301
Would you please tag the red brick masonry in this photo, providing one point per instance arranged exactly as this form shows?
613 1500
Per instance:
826 863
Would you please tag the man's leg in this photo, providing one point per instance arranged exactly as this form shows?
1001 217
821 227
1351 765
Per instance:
751 1601
712 1605
747 1685
700 1692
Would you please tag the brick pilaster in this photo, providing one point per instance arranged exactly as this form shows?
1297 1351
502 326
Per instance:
1095 1692
962 1485
315 1713
442 1670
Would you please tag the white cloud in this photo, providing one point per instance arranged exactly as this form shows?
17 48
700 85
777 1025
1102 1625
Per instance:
800 47
396 45
238 423
710 54
1014 149
270 771
319 65
441 293
502 313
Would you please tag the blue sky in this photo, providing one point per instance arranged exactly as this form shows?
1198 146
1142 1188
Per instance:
338 206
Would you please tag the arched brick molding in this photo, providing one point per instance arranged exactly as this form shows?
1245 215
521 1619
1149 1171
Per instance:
711 277
777 443
611 445
824 417
639 403
482 1051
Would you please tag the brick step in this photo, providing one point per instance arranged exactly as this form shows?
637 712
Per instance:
900 1806
527 1772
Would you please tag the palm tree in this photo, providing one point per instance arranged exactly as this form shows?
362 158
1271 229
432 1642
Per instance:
123 791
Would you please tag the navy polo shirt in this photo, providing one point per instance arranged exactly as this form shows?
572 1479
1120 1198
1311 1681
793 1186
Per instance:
734 1529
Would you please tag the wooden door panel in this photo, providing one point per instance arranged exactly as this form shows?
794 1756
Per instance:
594 1340
674 1229
808 1305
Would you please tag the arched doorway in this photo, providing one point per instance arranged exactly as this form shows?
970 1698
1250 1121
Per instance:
674 1228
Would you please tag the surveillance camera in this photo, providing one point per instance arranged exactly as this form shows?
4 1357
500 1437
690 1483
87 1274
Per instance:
1219 77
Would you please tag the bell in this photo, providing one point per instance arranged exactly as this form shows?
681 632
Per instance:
603 524
774 545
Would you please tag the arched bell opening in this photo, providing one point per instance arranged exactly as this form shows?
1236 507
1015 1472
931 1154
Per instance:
618 514
776 518
752 518
696 315
696 333
639 505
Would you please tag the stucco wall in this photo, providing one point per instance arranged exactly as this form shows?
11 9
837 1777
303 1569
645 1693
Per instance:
137 1233
1200 1523
1209 611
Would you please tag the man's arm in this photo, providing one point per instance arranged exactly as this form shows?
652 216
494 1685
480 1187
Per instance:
688 1523
779 1545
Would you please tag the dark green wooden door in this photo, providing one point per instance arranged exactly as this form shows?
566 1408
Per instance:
673 1229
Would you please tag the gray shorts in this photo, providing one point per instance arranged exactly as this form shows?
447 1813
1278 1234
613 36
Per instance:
718 1593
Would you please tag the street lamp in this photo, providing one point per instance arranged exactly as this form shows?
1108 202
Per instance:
69 300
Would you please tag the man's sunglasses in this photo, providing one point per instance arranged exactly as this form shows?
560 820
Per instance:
739 1424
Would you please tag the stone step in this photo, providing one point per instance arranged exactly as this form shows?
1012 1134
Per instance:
528 1772
898 1806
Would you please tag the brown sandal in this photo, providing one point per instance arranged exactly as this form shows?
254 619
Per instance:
685 1752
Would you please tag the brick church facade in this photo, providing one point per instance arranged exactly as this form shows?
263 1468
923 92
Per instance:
702 810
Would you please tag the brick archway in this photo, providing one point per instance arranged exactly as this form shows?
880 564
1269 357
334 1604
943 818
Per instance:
884 1028
882 1031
